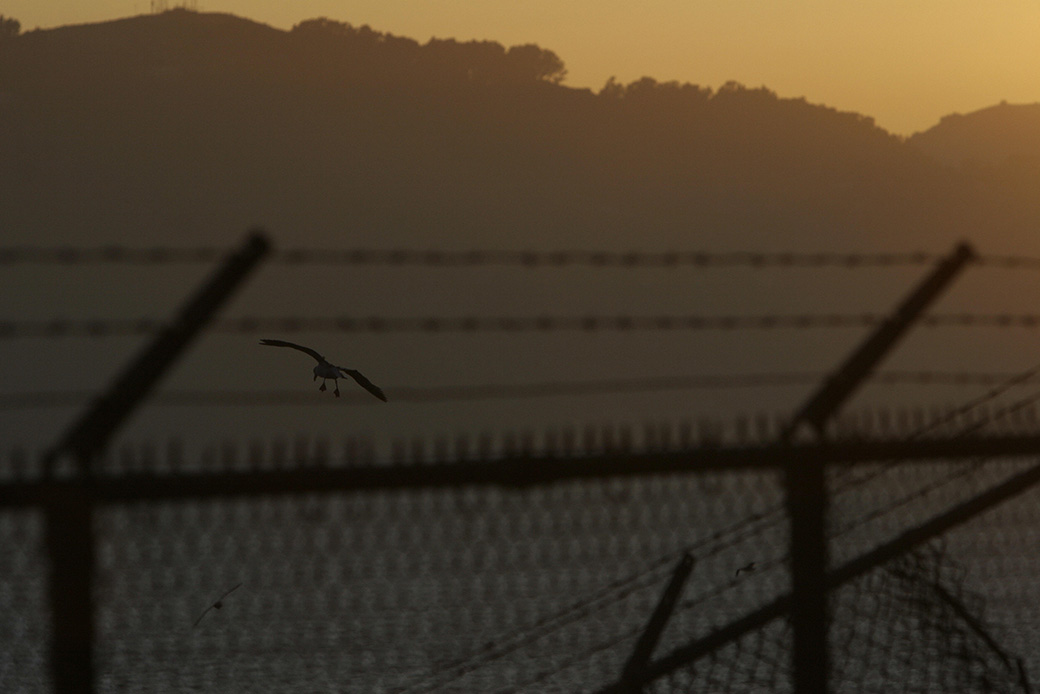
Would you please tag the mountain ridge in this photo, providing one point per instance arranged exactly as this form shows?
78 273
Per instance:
987 136
229 117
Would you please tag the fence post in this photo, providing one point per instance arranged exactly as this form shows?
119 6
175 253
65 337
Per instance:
69 539
806 483
70 502
634 671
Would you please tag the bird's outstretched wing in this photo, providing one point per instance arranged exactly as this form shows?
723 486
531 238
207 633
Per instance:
283 343
364 383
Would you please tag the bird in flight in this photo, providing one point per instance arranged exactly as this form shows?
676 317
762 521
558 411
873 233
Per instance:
215 606
749 568
324 370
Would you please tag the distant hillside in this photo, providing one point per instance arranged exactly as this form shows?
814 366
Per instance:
989 136
199 124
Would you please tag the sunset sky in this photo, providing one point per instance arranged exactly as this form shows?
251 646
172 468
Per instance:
904 63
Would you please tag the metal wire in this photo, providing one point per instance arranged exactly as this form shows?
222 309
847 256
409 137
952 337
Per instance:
115 254
160 255
252 325
492 391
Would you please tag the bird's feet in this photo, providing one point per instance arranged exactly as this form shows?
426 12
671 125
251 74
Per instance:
323 388
336 392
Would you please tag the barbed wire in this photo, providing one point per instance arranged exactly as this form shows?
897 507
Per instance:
252 325
108 255
158 255
960 471
771 516
161 255
492 391
705 547
733 534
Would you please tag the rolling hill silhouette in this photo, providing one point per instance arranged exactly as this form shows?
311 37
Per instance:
194 123
987 137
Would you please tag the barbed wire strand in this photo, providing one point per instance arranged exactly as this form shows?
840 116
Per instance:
1011 381
962 470
159 255
493 391
251 325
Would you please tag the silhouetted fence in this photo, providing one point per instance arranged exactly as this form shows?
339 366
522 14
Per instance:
434 258
533 563
777 555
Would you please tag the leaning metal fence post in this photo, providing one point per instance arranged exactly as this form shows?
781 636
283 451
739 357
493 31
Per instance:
806 482
69 502
633 673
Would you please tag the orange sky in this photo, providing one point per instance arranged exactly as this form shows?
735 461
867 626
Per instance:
904 63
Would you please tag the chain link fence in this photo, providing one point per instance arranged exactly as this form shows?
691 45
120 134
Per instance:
542 588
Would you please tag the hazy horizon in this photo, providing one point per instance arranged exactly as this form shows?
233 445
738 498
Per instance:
906 66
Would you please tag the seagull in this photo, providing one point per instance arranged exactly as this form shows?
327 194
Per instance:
324 370
749 568
215 606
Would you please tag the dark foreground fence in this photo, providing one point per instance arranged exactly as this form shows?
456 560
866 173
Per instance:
533 564
803 557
